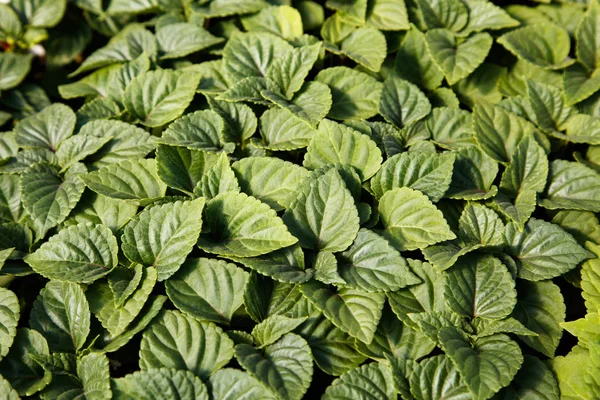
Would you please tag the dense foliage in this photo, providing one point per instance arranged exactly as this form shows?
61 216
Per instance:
277 199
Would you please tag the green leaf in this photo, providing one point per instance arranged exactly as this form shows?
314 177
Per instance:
97 209
11 208
269 179
402 103
473 175
117 319
487 365
224 8
411 221
587 37
290 71
181 168
242 226
388 15
9 317
353 311
62 314
543 250
393 339
252 54
163 236
177 341
427 296
9 392
370 382
452 14
541 308
78 147
124 281
488 327
338 144
218 179
311 103
285 265
273 328
158 97
285 368
25 375
280 130
208 289
14 68
233 384
457 59
181 39
373 265
498 131
47 128
585 329
94 375
127 141
590 281
431 323
414 64
200 130
546 45
534 380
134 181
366 46
239 120
548 106
80 254
480 286
579 83
155 384
571 186
430 173
323 216
355 94
484 15
282 20
47 197
437 378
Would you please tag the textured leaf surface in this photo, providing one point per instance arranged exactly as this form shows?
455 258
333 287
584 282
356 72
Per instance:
371 381
177 341
208 289
9 317
155 384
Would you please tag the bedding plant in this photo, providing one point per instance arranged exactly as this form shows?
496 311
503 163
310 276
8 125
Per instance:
285 200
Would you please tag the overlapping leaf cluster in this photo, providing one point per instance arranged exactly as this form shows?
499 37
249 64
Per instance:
250 199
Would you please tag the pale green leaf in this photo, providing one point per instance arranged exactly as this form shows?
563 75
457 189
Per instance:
80 253
9 317
590 281
452 14
163 236
486 365
135 181
273 328
534 380
181 39
338 144
353 311
450 128
233 384
124 281
498 131
541 308
62 314
113 318
480 286
457 59
324 217
585 329
411 221
437 378
283 21
25 375
548 105
484 15
355 94
414 64
14 67
587 37
159 383
78 147
579 83
280 130
366 46
269 179
285 265
242 226
47 128
285 368
543 250
429 173
388 15
208 289
158 97
369 382
572 186
373 265
200 130
177 341
94 375
218 179
402 103
546 45
239 120
182 168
